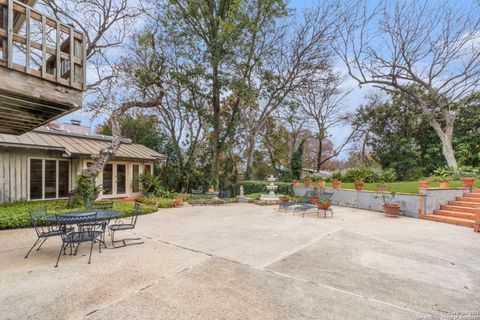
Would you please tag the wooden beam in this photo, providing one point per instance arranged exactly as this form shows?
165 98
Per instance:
27 40
72 57
57 54
44 48
10 34
41 90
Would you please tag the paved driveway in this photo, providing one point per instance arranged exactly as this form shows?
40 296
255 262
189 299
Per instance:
244 261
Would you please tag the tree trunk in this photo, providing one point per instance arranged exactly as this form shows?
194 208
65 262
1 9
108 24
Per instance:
250 150
447 150
215 176
319 155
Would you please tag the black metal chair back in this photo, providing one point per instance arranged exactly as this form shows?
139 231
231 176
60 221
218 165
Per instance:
101 205
37 217
64 220
136 211
225 194
325 196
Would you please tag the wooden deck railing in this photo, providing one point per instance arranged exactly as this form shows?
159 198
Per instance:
32 43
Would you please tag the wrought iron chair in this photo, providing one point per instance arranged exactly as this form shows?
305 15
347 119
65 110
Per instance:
86 233
123 224
100 205
43 230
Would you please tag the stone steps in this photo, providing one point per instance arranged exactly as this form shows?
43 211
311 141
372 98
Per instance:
452 220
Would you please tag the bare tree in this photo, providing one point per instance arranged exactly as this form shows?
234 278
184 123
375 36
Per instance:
323 103
287 62
427 52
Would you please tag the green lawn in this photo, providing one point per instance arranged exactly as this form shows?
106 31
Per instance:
404 186
16 215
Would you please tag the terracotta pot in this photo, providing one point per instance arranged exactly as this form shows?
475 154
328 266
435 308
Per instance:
321 184
296 183
359 185
423 184
307 182
391 209
323 205
314 200
467 182
178 202
284 199
336 184
381 187
444 184
211 190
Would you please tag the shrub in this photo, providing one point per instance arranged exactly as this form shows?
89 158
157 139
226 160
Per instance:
445 173
362 174
251 186
388 175
468 171
337 175
16 215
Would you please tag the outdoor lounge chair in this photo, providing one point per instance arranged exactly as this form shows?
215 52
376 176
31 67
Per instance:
123 224
86 233
42 230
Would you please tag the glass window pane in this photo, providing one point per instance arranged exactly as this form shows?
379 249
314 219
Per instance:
63 176
50 179
135 172
36 179
108 179
121 179
148 169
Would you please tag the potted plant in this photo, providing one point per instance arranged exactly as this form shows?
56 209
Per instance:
467 176
336 184
149 183
211 189
423 183
324 204
391 209
443 175
307 182
321 183
358 175
178 201
284 198
296 183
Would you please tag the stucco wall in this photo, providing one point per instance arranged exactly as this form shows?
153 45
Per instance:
411 204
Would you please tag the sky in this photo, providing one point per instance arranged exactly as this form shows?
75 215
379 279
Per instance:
337 135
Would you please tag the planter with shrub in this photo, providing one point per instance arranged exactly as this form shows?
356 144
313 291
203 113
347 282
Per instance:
336 184
324 204
443 175
468 175
423 183
389 208
307 182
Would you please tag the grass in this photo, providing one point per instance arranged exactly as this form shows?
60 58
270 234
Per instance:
16 215
401 187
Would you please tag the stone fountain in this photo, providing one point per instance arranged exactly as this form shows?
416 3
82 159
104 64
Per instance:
271 187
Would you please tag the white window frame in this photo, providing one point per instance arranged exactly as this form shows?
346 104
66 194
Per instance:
43 177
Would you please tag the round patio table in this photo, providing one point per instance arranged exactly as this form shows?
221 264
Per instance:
101 214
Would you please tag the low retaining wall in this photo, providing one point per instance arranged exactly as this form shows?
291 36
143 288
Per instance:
412 204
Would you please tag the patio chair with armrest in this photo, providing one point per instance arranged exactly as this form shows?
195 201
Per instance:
123 224
86 233
42 229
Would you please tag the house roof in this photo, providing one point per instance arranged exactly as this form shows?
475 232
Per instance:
75 144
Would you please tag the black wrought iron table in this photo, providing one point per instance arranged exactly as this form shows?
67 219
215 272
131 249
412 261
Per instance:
102 215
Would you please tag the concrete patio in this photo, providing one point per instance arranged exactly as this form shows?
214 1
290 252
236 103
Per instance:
244 261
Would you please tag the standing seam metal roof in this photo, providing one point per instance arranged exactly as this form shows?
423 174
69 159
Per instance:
76 144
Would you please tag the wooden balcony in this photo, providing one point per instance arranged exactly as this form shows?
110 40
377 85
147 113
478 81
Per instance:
42 67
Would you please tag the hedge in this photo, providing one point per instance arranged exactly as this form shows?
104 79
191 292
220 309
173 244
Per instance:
251 186
16 215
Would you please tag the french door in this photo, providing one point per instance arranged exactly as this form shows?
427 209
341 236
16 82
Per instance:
115 180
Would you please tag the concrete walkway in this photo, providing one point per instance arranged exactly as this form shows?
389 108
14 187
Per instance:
244 261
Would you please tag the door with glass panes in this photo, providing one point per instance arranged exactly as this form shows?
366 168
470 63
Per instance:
114 180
